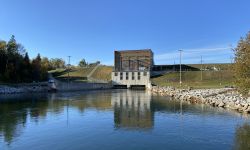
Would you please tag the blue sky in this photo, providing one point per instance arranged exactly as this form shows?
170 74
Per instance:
93 29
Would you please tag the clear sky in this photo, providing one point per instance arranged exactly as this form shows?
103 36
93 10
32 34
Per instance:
93 29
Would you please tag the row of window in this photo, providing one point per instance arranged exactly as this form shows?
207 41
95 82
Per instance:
133 75
139 73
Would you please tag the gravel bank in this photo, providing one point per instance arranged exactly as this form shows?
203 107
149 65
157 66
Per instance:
4 89
225 97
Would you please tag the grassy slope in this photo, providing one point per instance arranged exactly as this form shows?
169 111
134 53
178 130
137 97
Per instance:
77 74
211 79
103 73
223 66
80 74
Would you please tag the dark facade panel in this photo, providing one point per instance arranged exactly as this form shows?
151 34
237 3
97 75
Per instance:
134 60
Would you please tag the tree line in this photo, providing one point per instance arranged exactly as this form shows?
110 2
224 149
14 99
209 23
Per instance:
17 67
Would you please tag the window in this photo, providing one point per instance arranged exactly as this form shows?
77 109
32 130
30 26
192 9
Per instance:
145 73
139 76
133 75
116 74
126 75
121 76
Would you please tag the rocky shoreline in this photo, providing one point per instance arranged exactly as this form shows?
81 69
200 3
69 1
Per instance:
45 87
5 89
225 98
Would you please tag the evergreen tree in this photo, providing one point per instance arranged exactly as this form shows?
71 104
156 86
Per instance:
26 68
12 58
36 68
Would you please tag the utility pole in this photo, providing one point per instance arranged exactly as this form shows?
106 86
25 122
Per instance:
68 66
174 66
180 66
201 68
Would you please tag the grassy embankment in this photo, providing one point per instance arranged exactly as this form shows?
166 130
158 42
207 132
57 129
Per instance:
75 74
80 74
103 73
223 66
211 79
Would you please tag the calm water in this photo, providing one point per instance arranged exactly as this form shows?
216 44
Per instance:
119 119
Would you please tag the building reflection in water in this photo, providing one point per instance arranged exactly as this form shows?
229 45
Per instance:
132 110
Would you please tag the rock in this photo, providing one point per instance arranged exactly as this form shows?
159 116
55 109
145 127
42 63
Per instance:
231 105
221 104
247 110
212 103
248 100
245 106
240 108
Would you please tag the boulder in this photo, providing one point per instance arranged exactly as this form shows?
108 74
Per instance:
231 105
248 100
221 104
247 110
245 106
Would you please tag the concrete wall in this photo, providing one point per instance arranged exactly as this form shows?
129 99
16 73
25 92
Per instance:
142 79
64 86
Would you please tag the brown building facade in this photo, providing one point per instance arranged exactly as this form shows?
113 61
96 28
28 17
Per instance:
134 60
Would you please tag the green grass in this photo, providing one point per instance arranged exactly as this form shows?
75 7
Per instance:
211 79
80 74
103 73
222 66
75 74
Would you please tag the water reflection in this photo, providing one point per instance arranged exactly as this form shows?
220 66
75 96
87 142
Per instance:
132 110
129 110
242 137
13 114
16 110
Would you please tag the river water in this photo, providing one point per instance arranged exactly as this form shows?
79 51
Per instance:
117 119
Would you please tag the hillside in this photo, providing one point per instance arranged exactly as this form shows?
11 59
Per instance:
222 66
103 73
193 79
76 74
80 74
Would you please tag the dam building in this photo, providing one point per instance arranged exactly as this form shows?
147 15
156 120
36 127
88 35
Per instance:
132 68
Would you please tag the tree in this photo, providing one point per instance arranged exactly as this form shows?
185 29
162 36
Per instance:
15 65
82 63
57 63
12 60
36 68
46 63
3 58
12 46
26 68
242 65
